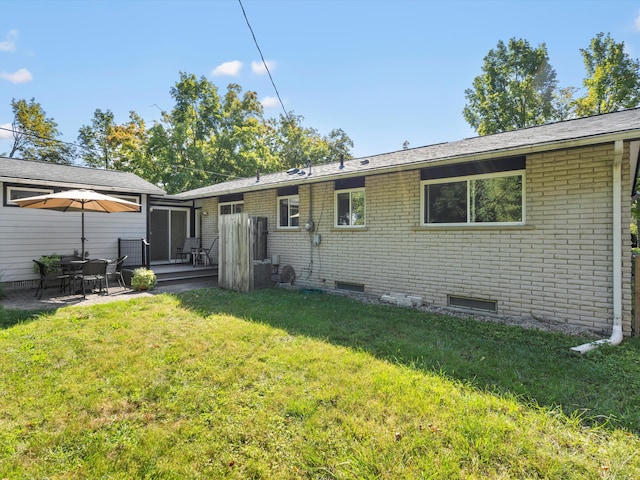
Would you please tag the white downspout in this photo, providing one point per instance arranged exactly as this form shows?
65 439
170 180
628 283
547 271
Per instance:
616 333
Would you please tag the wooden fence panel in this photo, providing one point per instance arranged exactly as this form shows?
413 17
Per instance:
243 239
235 252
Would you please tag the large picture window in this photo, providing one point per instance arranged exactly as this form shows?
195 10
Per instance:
350 208
289 211
482 199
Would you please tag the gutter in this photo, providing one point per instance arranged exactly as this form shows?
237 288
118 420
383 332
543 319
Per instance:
616 333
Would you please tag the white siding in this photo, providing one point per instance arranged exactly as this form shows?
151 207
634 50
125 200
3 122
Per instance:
27 234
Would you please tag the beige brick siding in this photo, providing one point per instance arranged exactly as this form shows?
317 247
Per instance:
557 267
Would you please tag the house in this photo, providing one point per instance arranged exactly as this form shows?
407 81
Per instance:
26 234
532 222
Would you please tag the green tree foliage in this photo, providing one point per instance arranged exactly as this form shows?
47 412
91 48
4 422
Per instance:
515 90
206 139
612 78
106 144
34 135
296 145
95 140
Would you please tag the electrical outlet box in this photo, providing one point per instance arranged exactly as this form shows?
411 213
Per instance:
316 239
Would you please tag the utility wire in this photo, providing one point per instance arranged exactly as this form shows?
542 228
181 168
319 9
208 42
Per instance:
286 114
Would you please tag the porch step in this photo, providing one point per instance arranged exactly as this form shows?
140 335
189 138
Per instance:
194 273
176 272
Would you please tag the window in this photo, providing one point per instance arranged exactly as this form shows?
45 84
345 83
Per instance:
128 198
496 198
288 211
15 193
350 211
231 207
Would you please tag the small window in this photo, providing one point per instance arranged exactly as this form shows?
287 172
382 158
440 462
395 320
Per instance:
128 198
231 207
289 211
15 193
350 208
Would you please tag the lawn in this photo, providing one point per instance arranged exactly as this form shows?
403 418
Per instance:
286 385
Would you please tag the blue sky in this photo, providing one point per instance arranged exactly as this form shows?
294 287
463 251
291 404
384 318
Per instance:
383 71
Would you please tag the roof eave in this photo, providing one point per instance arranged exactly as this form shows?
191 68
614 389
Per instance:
448 159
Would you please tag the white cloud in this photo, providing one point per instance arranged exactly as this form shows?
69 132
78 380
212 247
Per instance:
19 76
636 22
4 131
269 102
9 45
259 68
227 69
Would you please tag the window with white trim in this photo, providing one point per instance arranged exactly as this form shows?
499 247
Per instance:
289 211
350 208
16 193
231 207
494 198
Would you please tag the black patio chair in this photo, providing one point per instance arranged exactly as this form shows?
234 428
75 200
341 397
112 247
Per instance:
95 273
117 273
47 275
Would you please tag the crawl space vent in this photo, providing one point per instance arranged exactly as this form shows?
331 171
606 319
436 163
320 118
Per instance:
473 304
350 287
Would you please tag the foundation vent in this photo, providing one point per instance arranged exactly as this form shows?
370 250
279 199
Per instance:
23 283
489 306
350 287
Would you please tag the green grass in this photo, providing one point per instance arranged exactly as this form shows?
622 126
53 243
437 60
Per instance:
277 384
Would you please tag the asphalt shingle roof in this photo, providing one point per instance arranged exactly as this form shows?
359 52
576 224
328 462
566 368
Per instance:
72 176
589 129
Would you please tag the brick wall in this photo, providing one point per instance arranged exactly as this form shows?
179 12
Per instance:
557 267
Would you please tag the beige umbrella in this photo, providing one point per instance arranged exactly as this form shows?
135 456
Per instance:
79 201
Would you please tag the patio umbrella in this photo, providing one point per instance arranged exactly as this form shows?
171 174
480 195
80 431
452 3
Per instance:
79 201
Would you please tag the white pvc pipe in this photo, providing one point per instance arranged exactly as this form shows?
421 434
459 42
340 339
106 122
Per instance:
616 333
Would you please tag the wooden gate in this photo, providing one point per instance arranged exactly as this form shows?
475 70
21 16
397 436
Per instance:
243 240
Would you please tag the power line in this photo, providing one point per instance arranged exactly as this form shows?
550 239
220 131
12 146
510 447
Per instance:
286 114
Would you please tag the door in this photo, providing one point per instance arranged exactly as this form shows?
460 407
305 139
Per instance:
159 235
168 229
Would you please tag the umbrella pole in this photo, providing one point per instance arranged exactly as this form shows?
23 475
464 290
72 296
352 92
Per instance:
82 238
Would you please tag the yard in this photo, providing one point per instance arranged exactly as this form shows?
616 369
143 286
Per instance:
286 385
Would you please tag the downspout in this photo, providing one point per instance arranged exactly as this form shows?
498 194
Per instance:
616 333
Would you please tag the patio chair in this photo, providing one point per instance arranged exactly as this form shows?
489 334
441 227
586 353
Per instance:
70 265
48 274
205 253
94 272
191 245
117 273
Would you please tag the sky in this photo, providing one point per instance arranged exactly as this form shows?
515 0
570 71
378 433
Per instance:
384 71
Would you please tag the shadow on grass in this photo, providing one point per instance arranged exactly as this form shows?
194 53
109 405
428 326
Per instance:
10 317
602 387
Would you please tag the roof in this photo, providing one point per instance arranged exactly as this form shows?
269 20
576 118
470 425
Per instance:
45 173
582 131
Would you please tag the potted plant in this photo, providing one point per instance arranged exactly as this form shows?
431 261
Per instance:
143 279
52 262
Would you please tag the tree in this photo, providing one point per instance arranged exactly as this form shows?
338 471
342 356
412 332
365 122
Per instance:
515 90
295 145
96 139
612 78
206 139
34 135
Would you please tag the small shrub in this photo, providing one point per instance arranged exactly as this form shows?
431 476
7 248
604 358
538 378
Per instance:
143 279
